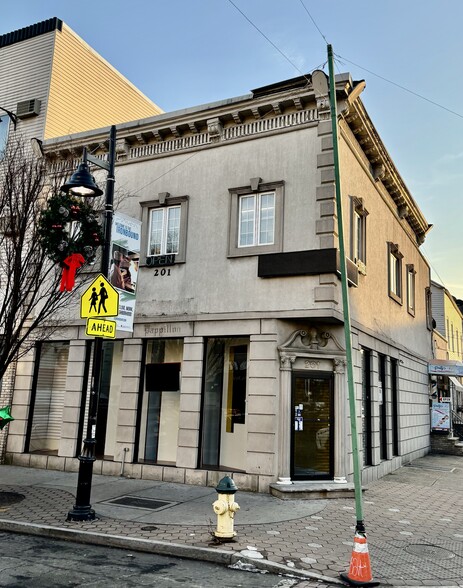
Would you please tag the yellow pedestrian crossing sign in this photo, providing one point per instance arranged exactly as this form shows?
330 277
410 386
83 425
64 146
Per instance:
97 327
99 300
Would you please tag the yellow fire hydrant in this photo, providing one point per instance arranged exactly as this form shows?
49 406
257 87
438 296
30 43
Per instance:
225 508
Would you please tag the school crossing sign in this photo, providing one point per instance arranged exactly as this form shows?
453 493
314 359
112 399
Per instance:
100 300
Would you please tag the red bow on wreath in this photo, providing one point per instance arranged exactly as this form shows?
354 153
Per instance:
70 265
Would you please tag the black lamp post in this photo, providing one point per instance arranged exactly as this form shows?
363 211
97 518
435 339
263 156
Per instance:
83 184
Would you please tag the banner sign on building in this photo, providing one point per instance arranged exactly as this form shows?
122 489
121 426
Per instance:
446 369
123 272
440 416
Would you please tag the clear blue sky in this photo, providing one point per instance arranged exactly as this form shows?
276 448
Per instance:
182 53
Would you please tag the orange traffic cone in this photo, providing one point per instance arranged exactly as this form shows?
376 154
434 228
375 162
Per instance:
359 573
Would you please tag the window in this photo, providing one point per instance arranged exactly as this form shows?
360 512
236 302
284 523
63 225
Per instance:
367 437
4 128
358 243
159 403
395 272
256 219
428 306
165 238
223 411
164 230
411 289
49 388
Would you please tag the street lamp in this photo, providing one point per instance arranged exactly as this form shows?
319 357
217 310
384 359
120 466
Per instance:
83 184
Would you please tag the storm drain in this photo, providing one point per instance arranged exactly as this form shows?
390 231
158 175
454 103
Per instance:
8 498
431 552
140 502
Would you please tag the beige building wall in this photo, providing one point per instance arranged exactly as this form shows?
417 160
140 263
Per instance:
86 92
453 328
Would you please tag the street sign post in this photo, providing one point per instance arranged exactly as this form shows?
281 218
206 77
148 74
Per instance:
99 300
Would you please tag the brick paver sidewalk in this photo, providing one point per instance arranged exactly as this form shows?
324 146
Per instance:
414 520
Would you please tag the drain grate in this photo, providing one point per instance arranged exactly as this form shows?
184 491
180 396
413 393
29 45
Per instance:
8 498
140 502
431 552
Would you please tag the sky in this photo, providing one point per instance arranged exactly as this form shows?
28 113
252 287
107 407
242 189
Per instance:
182 53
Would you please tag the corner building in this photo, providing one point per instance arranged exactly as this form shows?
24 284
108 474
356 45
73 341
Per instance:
237 359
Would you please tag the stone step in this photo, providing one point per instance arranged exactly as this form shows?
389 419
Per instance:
312 490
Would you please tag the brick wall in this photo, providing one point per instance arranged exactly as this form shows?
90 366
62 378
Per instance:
445 445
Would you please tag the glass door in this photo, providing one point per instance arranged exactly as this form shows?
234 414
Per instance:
312 426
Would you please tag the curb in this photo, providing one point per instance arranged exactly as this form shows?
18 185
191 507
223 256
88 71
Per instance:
160 547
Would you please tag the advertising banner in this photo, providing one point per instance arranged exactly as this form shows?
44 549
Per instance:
123 272
440 416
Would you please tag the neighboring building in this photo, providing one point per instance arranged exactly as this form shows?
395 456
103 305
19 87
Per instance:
57 85
52 84
446 367
237 359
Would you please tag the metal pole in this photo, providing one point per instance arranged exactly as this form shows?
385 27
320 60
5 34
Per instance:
83 510
360 527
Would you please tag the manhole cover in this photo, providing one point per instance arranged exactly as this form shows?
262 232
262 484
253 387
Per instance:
140 502
7 498
429 552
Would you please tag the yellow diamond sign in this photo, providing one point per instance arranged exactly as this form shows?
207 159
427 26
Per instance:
97 327
99 300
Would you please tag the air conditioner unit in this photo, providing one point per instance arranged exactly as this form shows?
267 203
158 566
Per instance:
28 108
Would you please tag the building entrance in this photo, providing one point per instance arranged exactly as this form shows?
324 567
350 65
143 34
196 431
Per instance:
312 426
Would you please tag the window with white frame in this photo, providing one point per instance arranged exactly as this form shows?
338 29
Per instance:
256 218
358 242
165 220
395 272
411 289
164 230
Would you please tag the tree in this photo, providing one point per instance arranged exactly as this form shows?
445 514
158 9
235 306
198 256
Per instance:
30 297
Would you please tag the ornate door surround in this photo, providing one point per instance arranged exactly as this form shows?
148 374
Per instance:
312 349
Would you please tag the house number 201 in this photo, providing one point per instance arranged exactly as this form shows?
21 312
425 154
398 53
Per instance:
162 272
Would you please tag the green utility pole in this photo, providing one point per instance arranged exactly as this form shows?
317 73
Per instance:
360 527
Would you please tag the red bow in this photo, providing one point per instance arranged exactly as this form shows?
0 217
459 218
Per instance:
70 265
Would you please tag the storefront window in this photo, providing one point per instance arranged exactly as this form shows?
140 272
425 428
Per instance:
224 431
48 398
160 409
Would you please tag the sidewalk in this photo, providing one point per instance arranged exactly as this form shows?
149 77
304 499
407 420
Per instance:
414 520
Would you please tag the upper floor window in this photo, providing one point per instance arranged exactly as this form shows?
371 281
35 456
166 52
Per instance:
411 289
4 128
256 218
358 242
395 272
165 238
164 230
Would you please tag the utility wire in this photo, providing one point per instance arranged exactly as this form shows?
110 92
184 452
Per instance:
402 87
268 40
313 20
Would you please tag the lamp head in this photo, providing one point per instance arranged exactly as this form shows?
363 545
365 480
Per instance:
82 183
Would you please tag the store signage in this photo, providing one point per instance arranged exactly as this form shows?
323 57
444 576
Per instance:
99 300
446 369
440 416
160 260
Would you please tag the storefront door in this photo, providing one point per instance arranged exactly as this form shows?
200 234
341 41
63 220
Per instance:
312 426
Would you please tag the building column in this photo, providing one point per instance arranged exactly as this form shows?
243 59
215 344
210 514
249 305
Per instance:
340 428
190 402
73 398
284 438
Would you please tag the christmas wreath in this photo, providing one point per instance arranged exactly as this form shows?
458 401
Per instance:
70 234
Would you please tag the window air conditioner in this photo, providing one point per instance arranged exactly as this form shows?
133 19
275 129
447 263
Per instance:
28 108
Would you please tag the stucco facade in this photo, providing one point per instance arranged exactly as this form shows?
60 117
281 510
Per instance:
248 307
